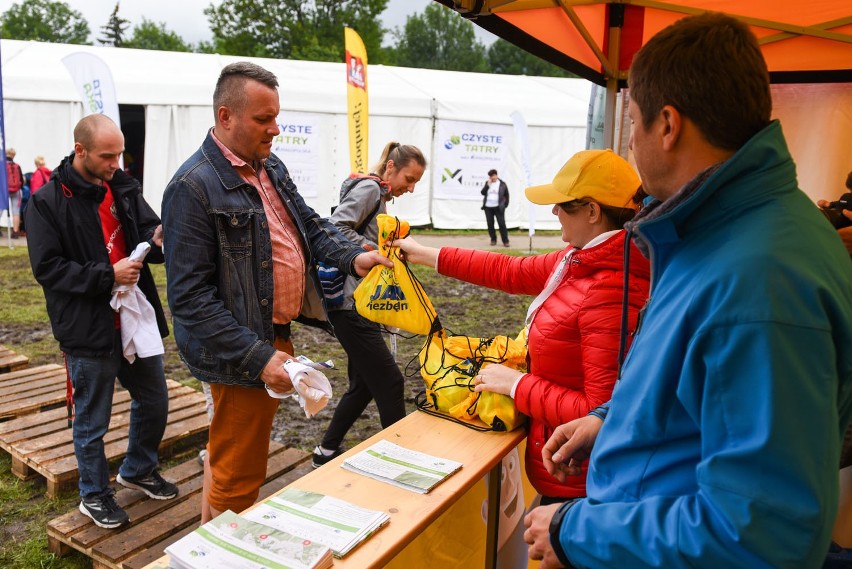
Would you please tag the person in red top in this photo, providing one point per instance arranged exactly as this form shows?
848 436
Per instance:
41 175
82 226
574 323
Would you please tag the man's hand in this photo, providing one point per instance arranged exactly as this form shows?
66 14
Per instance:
126 271
157 238
537 536
496 378
275 376
366 261
569 446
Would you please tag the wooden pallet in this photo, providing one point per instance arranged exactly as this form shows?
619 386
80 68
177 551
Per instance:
10 361
41 443
155 524
31 389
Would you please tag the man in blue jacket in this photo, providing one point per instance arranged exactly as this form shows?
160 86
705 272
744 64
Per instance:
721 443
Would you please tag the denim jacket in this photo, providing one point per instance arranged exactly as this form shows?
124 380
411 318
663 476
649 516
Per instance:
218 256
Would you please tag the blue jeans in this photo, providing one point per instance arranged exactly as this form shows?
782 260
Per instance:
93 379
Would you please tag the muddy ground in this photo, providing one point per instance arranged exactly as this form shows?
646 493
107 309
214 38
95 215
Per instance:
463 308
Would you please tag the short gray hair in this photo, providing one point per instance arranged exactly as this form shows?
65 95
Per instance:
230 91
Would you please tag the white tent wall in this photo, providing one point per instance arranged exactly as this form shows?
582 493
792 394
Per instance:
41 108
43 128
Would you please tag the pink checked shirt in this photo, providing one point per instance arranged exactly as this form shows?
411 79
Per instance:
288 257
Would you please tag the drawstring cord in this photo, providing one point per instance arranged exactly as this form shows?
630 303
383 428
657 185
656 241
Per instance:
622 341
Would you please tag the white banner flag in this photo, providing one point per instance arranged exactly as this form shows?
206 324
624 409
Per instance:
297 145
524 143
465 152
93 81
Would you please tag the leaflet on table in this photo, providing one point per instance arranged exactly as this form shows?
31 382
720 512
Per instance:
232 542
412 470
324 519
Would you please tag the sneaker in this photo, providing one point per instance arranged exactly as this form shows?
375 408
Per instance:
103 510
493 243
202 454
318 458
506 244
154 485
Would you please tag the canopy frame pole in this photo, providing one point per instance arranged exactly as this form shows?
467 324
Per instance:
616 23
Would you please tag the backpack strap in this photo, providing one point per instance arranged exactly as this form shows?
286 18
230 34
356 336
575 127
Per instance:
353 180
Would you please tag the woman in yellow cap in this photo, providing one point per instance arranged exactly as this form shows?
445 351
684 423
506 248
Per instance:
574 323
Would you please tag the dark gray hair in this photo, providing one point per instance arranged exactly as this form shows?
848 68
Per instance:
230 91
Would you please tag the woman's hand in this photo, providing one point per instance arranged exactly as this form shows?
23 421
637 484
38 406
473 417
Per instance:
414 252
496 378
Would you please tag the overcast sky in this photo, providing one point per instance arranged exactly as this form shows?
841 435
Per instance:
187 19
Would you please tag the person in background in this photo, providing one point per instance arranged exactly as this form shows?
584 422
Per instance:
495 200
721 442
40 176
240 248
839 214
574 323
373 373
14 183
82 226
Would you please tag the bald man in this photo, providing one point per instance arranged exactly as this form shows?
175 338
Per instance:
82 225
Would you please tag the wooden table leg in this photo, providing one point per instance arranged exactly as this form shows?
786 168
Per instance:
492 527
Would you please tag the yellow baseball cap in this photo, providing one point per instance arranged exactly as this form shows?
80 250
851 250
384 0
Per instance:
601 175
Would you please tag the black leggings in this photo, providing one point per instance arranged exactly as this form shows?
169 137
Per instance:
373 374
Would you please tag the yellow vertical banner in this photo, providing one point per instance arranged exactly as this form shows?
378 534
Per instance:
356 99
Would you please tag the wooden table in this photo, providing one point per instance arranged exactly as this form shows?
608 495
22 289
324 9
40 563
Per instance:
411 513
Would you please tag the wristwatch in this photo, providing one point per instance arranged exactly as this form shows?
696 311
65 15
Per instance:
555 526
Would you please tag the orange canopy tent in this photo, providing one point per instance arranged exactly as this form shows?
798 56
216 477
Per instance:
803 42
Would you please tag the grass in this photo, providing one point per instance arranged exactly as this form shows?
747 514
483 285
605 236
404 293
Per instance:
24 328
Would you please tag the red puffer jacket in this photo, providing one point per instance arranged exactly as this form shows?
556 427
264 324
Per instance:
573 340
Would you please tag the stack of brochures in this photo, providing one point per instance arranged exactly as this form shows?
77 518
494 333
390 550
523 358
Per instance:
238 543
402 467
336 523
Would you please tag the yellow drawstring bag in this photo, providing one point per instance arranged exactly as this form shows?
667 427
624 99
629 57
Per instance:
448 365
394 297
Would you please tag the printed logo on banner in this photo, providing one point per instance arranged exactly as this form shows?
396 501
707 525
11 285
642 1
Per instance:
94 98
450 175
297 145
355 71
465 154
294 137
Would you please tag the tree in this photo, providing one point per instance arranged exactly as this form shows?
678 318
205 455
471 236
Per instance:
153 35
509 59
43 20
294 29
113 30
439 39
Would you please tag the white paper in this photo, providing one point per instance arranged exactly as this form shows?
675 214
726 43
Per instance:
409 469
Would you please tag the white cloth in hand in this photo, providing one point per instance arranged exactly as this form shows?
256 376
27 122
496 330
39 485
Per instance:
312 387
140 335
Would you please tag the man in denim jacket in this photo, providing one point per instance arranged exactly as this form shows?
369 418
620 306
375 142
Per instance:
240 246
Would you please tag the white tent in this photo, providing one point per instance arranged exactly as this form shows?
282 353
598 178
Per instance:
42 106
416 106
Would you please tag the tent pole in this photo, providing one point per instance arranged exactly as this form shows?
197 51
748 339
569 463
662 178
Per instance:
616 22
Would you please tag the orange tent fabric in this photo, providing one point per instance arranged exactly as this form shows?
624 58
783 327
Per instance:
803 42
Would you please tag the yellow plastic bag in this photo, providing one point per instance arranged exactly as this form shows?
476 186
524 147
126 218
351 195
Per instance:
394 297
448 365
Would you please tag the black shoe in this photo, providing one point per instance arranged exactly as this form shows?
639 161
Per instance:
506 244
103 510
493 243
154 485
318 458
